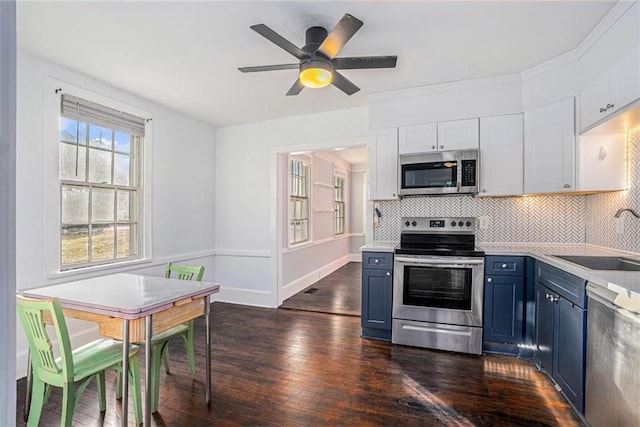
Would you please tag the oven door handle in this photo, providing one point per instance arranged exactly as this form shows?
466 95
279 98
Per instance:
441 262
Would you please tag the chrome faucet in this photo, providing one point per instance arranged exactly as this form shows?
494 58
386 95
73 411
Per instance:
634 213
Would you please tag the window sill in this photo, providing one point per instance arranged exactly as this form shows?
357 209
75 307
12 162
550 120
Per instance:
98 270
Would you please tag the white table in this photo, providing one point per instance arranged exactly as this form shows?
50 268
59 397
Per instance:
133 308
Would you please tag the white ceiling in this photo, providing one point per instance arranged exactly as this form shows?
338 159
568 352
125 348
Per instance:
186 54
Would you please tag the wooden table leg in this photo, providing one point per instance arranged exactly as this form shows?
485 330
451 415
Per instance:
125 371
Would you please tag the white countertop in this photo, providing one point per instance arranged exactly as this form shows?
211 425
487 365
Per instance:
380 246
625 283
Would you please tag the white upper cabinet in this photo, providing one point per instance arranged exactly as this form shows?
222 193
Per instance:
549 142
613 90
458 135
383 164
441 136
610 70
418 139
501 155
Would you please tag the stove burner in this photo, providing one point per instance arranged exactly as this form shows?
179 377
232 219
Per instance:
442 236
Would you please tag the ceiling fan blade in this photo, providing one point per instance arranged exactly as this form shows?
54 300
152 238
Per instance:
269 68
277 39
344 84
296 88
353 63
344 30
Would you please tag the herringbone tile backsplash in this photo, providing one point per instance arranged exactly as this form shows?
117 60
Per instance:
552 219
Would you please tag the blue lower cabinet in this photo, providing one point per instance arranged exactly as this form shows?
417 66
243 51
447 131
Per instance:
503 300
377 294
504 311
560 337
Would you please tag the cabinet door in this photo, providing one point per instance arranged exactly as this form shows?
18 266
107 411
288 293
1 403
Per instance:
418 139
383 164
594 99
569 351
458 135
549 137
503 309
501 155
543 338
377 286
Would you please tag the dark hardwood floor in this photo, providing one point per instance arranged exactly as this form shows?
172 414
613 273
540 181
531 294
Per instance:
296 368
337 293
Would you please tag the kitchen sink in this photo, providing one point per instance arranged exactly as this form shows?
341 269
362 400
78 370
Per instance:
603 262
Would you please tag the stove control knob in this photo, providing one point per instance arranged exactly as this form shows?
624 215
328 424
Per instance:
468 223
453 223
406 223
461 223
414 223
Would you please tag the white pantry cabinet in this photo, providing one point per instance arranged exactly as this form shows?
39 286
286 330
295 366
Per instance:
383 164
441 136
549 148
418 138
501 155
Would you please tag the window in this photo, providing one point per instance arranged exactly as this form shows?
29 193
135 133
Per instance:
338 186
298 201
100 184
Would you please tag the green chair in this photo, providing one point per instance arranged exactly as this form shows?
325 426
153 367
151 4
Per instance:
161 341
80 365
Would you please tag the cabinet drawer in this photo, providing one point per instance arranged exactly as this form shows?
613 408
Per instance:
504 266
380 260
571 287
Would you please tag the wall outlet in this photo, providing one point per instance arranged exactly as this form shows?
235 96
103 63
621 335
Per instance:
620 225
484 222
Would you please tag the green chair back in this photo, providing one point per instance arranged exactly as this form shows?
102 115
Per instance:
184 272
34 315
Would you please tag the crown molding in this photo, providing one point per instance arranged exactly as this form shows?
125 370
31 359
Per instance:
616 12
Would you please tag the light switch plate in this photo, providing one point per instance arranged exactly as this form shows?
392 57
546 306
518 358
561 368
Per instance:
620 225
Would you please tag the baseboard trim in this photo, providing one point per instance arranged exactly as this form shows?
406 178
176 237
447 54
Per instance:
244 296
292 288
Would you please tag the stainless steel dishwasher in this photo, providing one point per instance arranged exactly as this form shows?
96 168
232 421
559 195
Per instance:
612 390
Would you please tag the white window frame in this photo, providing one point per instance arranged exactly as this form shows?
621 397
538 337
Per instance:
336 232
52 182
308 163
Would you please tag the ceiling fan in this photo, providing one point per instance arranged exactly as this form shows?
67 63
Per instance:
318 63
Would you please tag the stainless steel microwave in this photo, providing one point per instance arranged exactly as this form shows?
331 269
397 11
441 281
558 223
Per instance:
441 172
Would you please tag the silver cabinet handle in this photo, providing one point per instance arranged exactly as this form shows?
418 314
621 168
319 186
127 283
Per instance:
433 147
489 279
376 261
441 147
567 186
388 273
504 265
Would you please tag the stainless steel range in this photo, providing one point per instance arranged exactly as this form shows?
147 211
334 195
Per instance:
438 285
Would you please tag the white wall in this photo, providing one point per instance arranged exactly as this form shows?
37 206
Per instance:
7 211
357 207
181 187
246 206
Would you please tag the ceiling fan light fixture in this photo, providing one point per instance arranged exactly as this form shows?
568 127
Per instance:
315 74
